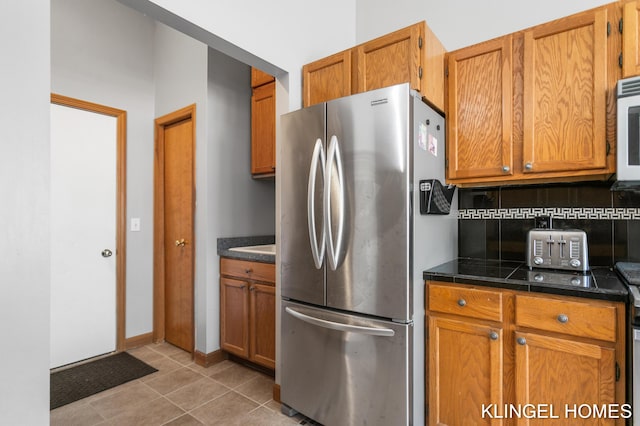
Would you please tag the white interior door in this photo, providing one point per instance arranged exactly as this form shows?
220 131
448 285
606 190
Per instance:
83 234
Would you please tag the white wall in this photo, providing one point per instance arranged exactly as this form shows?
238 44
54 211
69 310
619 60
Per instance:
460 23
102 52
277 35
24 212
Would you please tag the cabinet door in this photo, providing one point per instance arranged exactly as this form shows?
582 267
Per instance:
263 325
326 79
565 88
234 316
631 39
432 82
562 372
263 129
391 59
465 371
258 78
479 118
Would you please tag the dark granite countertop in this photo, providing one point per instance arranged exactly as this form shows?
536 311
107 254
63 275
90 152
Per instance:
224 244
603 283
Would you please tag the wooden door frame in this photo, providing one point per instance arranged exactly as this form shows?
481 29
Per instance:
186 113
121 202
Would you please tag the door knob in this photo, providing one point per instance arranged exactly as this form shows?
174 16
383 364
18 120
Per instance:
181 242
106 253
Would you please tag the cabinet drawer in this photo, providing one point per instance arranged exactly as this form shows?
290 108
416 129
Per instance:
248 270
468 302
572 317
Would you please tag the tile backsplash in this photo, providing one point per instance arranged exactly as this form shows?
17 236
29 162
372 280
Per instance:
493 222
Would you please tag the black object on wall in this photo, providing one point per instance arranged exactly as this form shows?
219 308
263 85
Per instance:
435 198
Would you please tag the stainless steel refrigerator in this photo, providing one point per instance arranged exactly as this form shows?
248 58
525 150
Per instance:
353 245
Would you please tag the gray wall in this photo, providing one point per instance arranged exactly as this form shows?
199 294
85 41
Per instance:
24 212
236 204
282 35
181 80
102 51
105 52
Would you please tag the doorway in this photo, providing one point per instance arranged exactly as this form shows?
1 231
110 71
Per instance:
174 249
88 163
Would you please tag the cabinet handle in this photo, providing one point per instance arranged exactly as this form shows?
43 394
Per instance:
521 341
493 335
462 302
506 169
563 318
528 166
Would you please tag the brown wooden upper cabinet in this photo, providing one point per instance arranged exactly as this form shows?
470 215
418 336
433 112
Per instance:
258 78
565 88
391 59
263 124
537 105
412 54
479 111
328 78
631 39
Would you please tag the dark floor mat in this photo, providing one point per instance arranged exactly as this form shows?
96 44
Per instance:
87 379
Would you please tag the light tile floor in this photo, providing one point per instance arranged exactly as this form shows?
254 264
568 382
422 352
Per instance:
181 393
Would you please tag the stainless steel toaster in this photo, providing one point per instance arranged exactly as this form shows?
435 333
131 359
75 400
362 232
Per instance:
558 249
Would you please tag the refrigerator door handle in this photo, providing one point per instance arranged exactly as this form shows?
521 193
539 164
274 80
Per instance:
371 331
333 251
317 251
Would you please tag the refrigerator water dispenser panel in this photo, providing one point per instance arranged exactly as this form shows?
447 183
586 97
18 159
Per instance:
435 198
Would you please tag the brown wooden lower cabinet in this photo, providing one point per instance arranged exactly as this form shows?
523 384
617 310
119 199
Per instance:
536 359
461 382
248 310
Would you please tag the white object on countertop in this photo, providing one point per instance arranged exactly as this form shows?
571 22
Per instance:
260 249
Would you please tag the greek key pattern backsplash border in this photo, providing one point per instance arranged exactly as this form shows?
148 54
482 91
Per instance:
597 213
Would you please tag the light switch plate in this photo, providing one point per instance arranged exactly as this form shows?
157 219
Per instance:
135 224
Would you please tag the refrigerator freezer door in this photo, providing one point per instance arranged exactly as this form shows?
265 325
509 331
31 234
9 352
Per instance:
302 182
345 370
368 225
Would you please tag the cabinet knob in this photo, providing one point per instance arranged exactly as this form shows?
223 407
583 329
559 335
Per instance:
242 287
462 302
528 166
252 288
506 169
493 335
521 341
563 318
248 270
